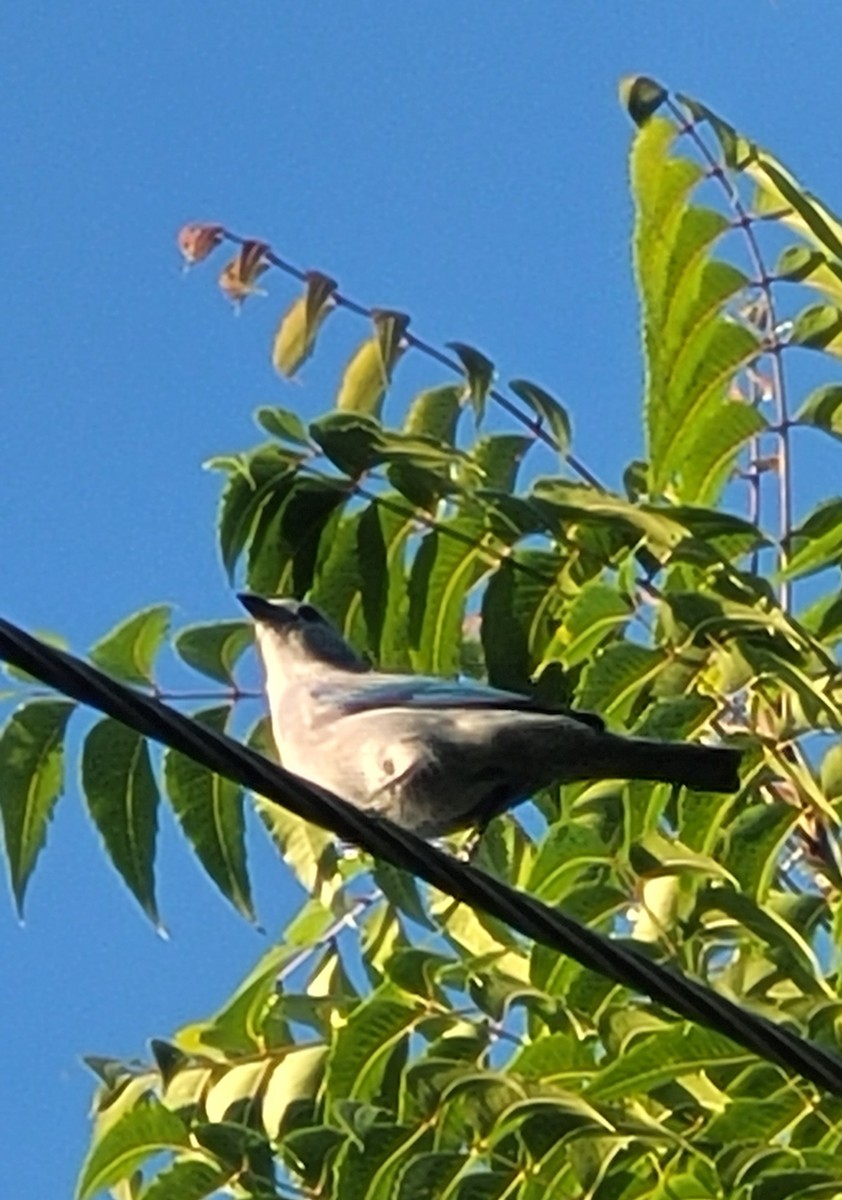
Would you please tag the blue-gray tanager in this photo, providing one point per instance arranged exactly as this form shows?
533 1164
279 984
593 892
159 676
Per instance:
435 755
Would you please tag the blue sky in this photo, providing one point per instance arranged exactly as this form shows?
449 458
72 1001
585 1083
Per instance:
464 162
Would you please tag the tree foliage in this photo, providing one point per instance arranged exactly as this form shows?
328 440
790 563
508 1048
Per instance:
395 1044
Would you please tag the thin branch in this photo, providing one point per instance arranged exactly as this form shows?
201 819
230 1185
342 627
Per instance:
535 427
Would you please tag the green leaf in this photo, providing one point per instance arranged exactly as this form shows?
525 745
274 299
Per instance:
255 480
363 1046
753 845
369 372
401 889
596 613
147 1129
286 542
190 1177
210 812
129 649
31 780
214 648
519 612
479 372
660 1058
282 423
613 681
296 335
567 503
497 459
547 409
641 96
693 348
122 799
708 462
781 194
297 1077
823 409
803 265
308 850
434 413
830 774
817 542
819 327
450 561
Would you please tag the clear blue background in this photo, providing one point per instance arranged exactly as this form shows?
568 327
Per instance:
463 161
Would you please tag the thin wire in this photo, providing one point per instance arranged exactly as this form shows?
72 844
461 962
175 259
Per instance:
622 964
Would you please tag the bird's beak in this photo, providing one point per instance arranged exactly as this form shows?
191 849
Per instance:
262 609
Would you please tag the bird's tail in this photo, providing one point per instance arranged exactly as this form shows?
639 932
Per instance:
702 768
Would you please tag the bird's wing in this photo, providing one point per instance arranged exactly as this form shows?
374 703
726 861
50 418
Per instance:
376 690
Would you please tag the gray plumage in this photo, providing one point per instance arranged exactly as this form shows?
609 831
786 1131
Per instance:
436 755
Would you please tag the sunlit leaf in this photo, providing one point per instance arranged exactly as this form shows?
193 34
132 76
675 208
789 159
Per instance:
296 335
449 562
31 780
614 679
369 372
283 424
147 1129
662 1057
130 648
434 413
122 798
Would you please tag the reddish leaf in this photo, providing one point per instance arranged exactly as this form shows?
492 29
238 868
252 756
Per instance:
197 241
239 276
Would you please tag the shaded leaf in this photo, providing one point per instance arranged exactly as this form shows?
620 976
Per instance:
547 409
641 96
479 372
214 648
210 812
31 780
823 409
817 542
262 477
819 327
190 1177
286 541
122 799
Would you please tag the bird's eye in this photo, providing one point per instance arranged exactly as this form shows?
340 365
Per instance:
307 613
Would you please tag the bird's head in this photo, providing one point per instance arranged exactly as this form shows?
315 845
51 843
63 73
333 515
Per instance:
294 637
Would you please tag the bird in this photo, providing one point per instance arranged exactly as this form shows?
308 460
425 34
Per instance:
434 755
